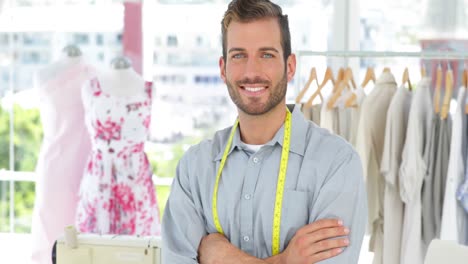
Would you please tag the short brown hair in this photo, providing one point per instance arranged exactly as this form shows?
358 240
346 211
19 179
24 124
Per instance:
250 10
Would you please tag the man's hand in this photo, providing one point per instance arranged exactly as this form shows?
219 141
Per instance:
215 248
313 243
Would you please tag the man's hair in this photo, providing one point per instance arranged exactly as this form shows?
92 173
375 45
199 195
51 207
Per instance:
251 10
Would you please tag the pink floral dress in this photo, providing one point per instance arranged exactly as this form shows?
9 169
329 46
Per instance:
117 195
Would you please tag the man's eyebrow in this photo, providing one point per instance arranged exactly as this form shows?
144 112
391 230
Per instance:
261 49
235 49
269 49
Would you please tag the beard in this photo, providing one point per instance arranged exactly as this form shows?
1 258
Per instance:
253 105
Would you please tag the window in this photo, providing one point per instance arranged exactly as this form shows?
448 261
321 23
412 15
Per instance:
172 41
81 39
99 39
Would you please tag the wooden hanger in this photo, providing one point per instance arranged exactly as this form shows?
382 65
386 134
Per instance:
465 84
339 78
448 94
370 76
328 77
465 78
349 71
341 85
312 77
406 79
423 70
438 87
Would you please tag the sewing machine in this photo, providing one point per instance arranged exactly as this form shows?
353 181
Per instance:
104 249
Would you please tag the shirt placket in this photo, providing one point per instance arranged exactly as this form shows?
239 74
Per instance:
247 202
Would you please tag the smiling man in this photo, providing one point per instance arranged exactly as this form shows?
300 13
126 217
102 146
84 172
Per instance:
273 188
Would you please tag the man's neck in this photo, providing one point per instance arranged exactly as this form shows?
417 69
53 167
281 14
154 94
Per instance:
258 130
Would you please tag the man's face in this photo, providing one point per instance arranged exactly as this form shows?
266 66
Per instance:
254 71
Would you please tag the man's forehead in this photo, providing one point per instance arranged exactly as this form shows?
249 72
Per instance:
261 32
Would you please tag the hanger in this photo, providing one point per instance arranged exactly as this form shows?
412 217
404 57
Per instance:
349 71
423 70
312 77
370 76
437 89
465 84
348 75
328 77
448 93
339 78
465 78
406 79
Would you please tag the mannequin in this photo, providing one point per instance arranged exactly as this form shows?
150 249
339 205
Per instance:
63 152
117 194
121 80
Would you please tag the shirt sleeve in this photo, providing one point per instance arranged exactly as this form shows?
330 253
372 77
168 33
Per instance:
183 224
344 196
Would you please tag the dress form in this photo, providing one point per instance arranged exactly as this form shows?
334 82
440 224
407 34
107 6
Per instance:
121 79
63 153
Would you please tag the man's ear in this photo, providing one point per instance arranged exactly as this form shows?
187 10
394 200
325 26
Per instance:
291 66
222 68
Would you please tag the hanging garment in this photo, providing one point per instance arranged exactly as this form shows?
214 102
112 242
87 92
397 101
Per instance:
370 143
117 194
356 115
428 221
462 198
454 218
312 113
395 133
413 170
434 183
329 117
62 157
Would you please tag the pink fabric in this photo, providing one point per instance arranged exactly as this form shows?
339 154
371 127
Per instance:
117 195
61 161
133 34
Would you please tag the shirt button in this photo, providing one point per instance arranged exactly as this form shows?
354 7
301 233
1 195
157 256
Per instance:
255 160
246 238
247 196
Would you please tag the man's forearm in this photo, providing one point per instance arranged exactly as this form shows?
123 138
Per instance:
273 260
216 249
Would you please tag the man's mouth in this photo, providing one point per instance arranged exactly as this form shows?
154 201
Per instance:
254 89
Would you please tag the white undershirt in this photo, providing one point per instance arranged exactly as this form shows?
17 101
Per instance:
252 148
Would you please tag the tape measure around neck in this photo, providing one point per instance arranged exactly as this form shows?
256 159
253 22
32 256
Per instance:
279 185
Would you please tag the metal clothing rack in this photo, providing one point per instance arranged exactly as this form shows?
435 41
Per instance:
426 55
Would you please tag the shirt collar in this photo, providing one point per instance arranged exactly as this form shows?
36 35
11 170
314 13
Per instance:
298 142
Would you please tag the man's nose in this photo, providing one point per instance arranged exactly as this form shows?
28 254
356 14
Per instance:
252 68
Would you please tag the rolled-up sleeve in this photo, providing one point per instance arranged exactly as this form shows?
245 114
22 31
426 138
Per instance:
183 224
343 196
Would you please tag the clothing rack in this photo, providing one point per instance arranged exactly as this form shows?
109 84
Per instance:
426 55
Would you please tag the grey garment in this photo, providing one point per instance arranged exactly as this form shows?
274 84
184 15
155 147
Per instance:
428 225
433 189
312 113
324 180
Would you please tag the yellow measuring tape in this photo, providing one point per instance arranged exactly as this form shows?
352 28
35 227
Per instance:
279 186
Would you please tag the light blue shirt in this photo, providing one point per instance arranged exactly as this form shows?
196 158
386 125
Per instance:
324 180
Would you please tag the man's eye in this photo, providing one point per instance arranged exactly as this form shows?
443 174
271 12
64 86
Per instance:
267 55
238 56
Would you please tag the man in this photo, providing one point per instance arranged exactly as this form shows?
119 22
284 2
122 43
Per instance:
274 188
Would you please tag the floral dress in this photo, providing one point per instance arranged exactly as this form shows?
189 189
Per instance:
117 195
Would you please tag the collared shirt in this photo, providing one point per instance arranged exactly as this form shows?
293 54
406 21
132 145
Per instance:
324 180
